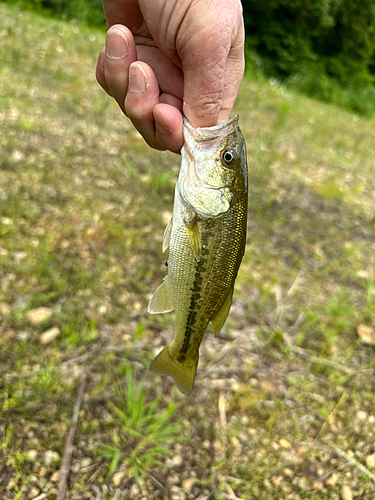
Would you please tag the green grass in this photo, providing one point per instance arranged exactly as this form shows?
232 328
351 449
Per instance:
141 429
83 206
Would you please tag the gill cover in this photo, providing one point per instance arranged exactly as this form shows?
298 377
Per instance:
204 183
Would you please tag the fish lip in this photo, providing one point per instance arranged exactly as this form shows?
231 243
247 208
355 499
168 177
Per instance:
203 134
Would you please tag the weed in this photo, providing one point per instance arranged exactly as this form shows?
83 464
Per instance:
142 429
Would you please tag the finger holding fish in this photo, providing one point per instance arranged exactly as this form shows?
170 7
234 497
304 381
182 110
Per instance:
114 61
168 126
159 123
134 86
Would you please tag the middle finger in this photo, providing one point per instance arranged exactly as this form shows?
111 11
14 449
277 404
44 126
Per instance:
142 96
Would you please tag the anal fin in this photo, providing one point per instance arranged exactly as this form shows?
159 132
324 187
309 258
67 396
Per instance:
219 320
161 300
194 239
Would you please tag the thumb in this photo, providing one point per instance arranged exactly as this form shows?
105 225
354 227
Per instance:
203 65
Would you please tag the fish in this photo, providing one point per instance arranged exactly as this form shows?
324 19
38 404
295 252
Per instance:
206 237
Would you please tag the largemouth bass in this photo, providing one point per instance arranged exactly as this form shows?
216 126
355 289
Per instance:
206 238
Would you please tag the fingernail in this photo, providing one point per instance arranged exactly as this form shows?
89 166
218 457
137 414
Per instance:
116 44
138 81
161 123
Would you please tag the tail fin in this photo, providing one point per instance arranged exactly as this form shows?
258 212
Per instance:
183 373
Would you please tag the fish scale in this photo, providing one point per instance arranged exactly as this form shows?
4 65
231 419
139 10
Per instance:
206 244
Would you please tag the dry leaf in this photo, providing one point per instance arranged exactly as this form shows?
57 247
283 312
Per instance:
36 316
367 334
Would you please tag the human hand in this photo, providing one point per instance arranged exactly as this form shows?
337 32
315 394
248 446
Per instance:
167 57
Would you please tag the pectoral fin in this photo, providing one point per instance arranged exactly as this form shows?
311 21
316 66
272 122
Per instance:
219 319
167 235
195 239
161 300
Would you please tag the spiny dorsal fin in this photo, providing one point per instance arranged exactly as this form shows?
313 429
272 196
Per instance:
221 316
194 239
161 300
167 235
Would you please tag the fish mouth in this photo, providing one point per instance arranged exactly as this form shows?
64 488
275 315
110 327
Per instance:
203 134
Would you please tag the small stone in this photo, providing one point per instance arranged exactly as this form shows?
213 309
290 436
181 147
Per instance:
36 316
134 490
177 493
75 467
176 461
218 446
235 442
289 457
49 335
178 496
31 455
367 334
245 420
332 480
188 483
23 336
5 309
370 461
102 309
51 456
42 471
277 480
174 479
302 482
318 486
34 492
320 471
18 256
285 444
85 462
361 415
288 472
55 476
17 156
117 478
346 493
6 221
11 484
267 484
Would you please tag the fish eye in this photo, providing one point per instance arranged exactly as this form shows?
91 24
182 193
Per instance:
229 157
